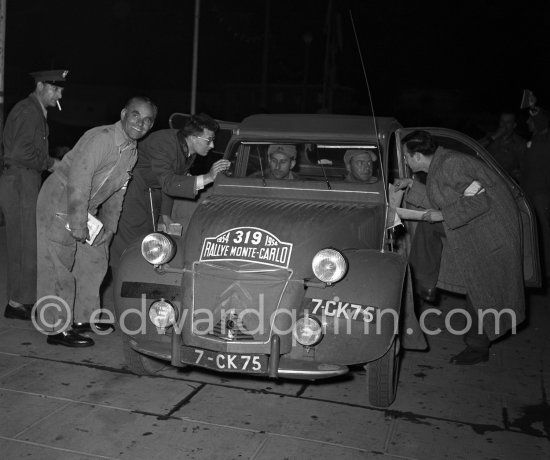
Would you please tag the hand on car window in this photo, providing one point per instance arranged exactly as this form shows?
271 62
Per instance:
218 167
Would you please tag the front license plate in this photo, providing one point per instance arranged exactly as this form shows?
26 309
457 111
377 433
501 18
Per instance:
225 362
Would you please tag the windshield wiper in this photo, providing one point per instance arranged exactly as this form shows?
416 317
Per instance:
322 163
261 167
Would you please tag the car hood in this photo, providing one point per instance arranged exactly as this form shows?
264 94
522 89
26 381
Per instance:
284 233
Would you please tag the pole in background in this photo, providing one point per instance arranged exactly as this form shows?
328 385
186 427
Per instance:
2 53
308 38
195 57
265 58
326 72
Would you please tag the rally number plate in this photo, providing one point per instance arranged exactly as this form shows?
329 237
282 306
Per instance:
225 362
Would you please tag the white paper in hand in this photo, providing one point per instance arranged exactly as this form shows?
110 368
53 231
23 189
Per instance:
94 227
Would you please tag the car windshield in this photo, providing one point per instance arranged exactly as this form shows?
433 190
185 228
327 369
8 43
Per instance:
307 161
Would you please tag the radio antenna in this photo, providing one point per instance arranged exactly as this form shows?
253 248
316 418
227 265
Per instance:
363 67
372 110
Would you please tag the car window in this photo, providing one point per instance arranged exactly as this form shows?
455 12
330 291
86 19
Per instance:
312 161
454 144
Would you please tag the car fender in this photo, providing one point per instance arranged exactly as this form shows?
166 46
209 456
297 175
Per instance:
374 281
137 285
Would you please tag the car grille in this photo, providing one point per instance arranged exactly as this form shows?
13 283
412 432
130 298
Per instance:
235 301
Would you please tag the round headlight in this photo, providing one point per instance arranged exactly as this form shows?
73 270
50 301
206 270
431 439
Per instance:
308 331
157 248
162 314
329 265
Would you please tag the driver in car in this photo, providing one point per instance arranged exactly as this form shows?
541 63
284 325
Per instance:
282 159
360 166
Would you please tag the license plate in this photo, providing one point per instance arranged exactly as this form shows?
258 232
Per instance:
345 310
225 362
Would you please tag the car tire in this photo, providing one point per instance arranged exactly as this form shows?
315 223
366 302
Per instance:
139 363
382 377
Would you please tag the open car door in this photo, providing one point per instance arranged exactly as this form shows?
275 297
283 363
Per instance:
455 140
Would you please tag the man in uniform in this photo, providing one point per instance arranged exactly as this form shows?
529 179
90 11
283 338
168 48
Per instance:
90 180
25 158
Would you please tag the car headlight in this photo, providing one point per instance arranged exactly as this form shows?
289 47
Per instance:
162 314
157 248
329 265
308 331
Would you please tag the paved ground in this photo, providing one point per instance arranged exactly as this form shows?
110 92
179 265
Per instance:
61 403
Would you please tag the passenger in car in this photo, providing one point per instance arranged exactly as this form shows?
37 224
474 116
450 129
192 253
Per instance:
360 166
282 159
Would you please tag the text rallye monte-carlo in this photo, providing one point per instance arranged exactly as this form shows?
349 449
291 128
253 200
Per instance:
296 278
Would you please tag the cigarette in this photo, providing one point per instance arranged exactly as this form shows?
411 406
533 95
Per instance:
58 105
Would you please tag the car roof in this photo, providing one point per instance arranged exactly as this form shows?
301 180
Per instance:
328 127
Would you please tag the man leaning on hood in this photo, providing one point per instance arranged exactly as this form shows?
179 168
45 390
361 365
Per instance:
91 179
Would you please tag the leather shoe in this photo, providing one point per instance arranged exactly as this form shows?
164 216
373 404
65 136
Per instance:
471 355
23 312
429 295
87 327
70 338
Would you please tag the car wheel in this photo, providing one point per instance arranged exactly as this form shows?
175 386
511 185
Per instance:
139 363
382 377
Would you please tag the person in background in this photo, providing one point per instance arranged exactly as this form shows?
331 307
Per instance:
25 158
482 252
90 180
507 147
360 166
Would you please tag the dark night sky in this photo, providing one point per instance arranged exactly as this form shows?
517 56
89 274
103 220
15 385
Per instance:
474 55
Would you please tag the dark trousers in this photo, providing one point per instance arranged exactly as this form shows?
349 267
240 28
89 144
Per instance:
541 205
473 337
425 254
136 221
19 189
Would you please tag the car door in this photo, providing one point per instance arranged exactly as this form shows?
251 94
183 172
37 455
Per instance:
455 140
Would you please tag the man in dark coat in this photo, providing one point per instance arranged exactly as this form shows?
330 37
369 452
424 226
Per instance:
535 180
162 173
482 255
90 180
25 158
